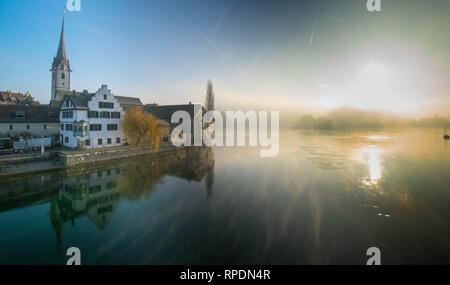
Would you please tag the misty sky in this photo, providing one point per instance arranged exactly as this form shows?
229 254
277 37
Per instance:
264 54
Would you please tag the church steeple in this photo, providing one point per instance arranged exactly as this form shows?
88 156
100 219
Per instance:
61 56
60 69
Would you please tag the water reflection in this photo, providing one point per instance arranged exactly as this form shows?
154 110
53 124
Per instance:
374 164
335 151
96 193
308 205
372 157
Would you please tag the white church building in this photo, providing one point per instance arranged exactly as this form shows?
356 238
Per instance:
87 120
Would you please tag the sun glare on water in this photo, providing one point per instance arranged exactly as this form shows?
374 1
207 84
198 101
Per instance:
371 156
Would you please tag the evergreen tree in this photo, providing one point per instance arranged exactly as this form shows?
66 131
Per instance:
209 101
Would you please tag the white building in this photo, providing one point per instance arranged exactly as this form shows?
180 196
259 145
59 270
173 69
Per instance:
87 120
25 120
94 120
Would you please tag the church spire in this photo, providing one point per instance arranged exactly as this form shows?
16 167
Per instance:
60 69
62 46
61 56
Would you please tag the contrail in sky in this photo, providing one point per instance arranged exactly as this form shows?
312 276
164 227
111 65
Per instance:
315 23
225 13
312 33
205 37
335 18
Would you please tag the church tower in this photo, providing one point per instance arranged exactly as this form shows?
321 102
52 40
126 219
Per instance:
60 70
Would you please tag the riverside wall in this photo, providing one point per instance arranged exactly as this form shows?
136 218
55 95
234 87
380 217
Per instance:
26 157
74 158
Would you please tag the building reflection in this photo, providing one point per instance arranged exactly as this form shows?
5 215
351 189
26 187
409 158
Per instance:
96 193
93 194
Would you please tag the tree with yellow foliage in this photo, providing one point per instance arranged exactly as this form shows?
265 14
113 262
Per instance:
141 128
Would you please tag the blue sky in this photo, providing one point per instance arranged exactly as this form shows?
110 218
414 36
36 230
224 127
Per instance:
272 53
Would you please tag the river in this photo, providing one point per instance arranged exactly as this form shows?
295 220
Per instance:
325 199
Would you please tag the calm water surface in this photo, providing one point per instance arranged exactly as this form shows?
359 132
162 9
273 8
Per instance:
325 199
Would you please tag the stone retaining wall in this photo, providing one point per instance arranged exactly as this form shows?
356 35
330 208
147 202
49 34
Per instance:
29 157
72 158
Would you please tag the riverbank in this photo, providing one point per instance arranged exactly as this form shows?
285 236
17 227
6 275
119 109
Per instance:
190 163
26 157
71 158
16 165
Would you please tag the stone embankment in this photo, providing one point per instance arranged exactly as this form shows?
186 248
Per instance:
54 160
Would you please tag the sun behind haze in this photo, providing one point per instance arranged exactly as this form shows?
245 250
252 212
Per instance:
297 55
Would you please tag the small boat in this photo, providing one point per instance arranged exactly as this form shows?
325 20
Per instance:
446 137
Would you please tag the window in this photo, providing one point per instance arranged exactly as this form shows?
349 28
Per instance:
95 189
111 185
96 127
62 127
104 96
109 141
45 127
91 203
66 139
106 105
105 115
92 114
10 127
63 76
67 114
20 114
100 142
104 209
69 127
28 127
117 140
112 127
115 115
87 142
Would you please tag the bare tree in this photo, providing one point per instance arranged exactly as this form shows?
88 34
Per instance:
209 100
